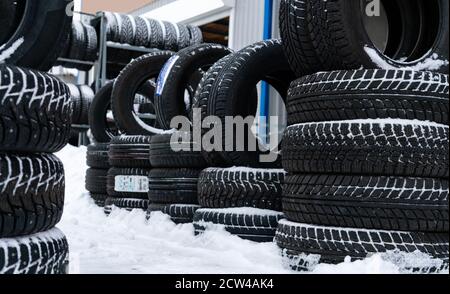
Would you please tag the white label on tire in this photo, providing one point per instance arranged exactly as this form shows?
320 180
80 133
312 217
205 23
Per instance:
165 74
131 184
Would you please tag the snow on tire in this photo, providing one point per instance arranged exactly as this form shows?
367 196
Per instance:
307 245
42 253
130 151
31 193
35 111
247 223
179 213
127 204
241 187
370 147
370 202
369 94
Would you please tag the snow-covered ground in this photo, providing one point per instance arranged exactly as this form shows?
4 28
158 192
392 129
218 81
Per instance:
125 243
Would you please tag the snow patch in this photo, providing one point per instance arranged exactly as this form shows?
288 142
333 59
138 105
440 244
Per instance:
431 63
6 53
243 211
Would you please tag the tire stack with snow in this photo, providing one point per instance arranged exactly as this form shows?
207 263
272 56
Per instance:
367 158
36 113
173 181
82 46
82 97
128 178
245 202
150 33
96 175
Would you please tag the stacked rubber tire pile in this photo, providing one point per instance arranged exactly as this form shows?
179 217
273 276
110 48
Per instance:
366 150
128 178
82 45
97 160
150 33
82 97
36 113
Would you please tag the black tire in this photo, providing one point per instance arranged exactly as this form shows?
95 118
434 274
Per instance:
170 94
332 35
40 36
155 37
171 36
333 245
130 151
128 204
126 86
164 155
112 27
369 94
200 102
76 102
184 36
127 34
173 186
43 253
179 213
99 199
241 187
87 96
196 35
97 156
101 129
35 111
246 223
142 32
92 44
77 43
8 15
137 177
32 193
96 181
384 203
262 61
370 147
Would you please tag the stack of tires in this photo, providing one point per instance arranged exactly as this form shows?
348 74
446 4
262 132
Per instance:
36 113
97 173
366 150
150 33
81 46
82 97
128 177
173 181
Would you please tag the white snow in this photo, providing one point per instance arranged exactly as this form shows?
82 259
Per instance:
428 64
246 210
6 53
126 243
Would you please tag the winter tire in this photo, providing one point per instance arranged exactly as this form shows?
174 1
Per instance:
32 193
309 244
130 151
338 34
128 204
99 199
126 86
102 128
96 180
164 154
173 186
39 37
369 202
234 87
369 94
170 94
241 187
97 156
368 147
179 213
247 223
196 35
43 253
35 111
